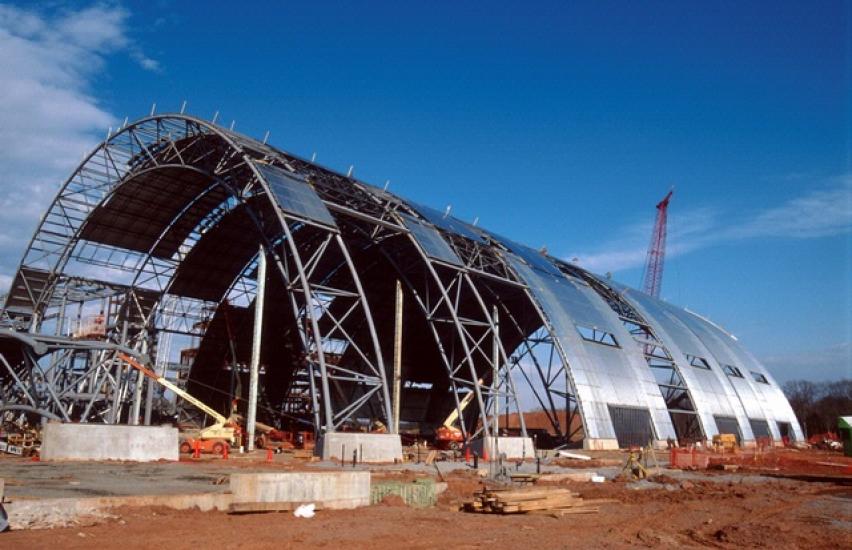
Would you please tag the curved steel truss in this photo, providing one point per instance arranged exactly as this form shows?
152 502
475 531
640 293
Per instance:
153 247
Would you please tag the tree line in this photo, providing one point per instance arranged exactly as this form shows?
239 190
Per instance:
818 404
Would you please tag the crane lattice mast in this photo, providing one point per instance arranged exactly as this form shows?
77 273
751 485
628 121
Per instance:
652 278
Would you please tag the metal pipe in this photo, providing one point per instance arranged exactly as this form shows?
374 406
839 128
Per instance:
137 390
397 358
495 378
114 415
151 388
251 414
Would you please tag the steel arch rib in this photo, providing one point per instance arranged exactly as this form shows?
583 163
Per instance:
58 257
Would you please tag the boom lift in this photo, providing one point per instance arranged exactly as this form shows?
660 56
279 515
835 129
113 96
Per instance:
211 439
448 436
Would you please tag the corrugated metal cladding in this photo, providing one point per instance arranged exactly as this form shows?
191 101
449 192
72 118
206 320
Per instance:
604 376
759 400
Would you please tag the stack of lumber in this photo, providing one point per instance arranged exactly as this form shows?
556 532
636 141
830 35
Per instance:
524 478
536 499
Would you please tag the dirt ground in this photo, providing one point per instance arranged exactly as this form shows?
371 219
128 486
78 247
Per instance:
707 509
696 514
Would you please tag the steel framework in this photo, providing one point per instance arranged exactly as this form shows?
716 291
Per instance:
154 240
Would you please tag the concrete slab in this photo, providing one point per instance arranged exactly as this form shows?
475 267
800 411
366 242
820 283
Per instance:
368 447
512 447
59 512
26 480
333 490
108 442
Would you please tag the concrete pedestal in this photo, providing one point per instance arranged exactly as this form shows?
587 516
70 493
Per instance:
512 447
335 490
108 442
369 447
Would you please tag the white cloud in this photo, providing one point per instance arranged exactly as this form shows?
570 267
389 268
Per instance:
49 116
95 28
687 231
820 212
146 62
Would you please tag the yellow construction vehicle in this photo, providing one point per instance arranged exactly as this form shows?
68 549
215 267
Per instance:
725 442
211 439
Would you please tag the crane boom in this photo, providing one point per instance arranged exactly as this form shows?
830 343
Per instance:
652 279
220 419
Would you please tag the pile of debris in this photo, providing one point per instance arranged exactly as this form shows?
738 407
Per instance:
538 499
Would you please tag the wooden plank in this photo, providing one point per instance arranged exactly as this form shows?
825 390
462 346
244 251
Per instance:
253 507
547 505
532 494
524 478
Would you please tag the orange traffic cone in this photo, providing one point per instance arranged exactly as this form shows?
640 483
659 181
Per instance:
269 454
467 453
485 451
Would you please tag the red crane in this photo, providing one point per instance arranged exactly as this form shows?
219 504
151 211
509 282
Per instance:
652 278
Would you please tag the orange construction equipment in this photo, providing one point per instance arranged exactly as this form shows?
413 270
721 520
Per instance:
448 436
212 439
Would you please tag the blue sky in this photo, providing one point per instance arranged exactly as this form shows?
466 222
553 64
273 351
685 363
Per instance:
559 125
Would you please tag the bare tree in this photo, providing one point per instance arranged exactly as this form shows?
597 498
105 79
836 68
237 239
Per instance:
818 405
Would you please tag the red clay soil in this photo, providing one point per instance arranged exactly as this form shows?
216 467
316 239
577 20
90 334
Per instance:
594 463
716 510
770 513
790 461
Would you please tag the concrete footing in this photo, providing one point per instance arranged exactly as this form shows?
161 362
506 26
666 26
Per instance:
600 444
512 447
108 442
331 490
367 447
